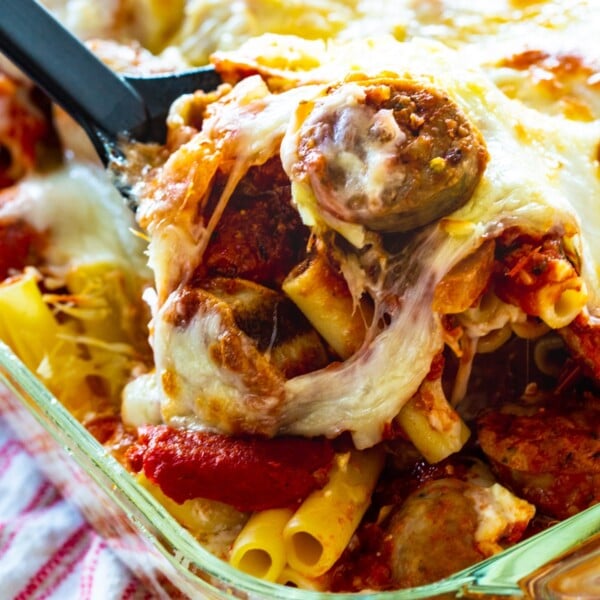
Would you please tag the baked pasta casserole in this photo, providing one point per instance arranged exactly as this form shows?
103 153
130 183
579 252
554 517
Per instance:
350 338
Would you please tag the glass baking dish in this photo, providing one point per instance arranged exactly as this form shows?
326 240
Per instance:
560 563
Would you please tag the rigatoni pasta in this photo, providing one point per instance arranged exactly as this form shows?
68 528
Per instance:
431 424
26 322
290 577
320 529
374 290
259 549
558 310
543 282
324 298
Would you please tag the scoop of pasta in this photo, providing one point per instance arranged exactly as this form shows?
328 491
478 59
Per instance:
243 127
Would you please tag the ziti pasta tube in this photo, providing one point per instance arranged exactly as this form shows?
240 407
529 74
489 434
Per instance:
432 425
321 528
324 298
26 322
259 549
292 578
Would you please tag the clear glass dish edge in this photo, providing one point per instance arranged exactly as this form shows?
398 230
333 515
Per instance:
197 567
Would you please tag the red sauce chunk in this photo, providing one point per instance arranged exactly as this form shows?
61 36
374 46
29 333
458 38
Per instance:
20 245
365 564
249 473
527 266
260 236
24 129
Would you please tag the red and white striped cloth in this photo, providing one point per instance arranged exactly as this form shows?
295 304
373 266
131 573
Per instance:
47 550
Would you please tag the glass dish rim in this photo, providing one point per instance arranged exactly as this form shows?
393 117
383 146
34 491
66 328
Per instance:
487 576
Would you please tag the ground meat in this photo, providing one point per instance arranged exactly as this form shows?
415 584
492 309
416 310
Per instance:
582 337
260 236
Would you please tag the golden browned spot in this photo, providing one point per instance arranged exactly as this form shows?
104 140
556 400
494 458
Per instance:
169 382
564 82
465 282
262 337
524 60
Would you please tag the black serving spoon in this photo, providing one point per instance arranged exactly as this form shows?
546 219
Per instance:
110 107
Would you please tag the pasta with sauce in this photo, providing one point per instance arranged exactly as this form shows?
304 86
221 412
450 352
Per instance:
348 241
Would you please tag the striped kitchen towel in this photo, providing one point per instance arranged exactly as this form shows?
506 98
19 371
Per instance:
47 550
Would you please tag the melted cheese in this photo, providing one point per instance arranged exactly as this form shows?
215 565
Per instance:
140 402
499 512
542 168
99 224
148 22
87 18
201 386
209 25
245 129
541 173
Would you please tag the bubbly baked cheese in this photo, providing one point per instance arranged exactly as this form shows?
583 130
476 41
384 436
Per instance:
336 236
541 171
200 27
536 191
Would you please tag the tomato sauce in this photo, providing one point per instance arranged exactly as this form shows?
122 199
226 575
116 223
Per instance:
249 473
20 245
260 236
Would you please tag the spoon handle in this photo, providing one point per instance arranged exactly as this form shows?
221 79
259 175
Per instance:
99 99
